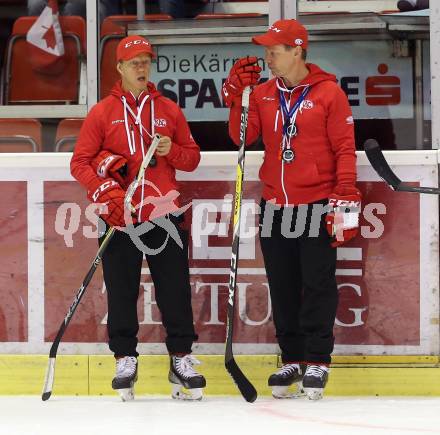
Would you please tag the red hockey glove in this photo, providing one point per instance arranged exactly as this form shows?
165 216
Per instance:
111 196
245 72
343 218
106 165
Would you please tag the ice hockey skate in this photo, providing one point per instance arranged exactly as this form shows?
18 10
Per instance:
186 383
315 380
125 377
281 381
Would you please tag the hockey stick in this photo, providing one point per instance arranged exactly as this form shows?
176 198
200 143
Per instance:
380 165
50 372
246 388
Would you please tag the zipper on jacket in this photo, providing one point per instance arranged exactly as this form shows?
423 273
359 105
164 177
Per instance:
132 138
286 198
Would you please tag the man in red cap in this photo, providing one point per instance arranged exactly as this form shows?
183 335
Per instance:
112 143
309 168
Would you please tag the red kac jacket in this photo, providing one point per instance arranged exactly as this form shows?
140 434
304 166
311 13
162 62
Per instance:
115 124
324 147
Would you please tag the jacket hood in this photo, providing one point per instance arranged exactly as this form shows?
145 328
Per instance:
118 92
317 75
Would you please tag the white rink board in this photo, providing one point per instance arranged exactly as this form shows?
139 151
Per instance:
421 166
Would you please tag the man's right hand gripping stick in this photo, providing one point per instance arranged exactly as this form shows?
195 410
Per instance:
112 197
245 72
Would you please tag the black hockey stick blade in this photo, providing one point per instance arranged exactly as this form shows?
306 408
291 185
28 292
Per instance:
247 390
380 165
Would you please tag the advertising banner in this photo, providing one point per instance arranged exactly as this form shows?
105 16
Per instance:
377 84
387 277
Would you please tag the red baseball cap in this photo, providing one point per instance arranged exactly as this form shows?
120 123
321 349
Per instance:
133 46
289 32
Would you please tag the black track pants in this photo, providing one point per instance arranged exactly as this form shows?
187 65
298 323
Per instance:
122 262
301 275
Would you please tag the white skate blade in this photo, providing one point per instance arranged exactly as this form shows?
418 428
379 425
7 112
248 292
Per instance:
127 394
279 392
181 393
314 393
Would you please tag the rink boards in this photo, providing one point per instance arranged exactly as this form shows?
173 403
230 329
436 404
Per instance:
388 277
92 374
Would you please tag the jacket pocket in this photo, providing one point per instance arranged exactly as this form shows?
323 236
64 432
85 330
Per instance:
303 172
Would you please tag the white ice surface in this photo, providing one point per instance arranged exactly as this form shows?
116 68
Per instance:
159 415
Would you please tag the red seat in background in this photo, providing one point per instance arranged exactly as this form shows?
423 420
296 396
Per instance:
20 135
67 134
112 31
23 84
